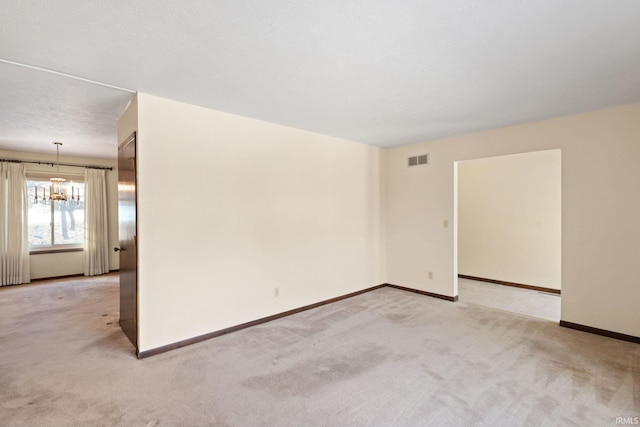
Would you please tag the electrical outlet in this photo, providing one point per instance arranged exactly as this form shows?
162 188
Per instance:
276 292
431 275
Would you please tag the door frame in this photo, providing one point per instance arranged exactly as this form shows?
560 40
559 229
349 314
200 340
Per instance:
132 334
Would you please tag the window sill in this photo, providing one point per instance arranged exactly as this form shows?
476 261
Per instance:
54 250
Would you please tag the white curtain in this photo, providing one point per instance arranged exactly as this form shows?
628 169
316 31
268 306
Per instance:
14 232
96 238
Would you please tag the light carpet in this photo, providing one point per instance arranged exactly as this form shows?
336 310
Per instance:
383 358
515 300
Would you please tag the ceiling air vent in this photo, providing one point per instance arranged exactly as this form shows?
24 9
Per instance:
419 160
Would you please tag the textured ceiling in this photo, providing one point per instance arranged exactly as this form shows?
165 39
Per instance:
37 108
383 72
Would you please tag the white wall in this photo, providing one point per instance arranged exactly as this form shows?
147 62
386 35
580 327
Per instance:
128 121
509 218
600 210
230 208
70 263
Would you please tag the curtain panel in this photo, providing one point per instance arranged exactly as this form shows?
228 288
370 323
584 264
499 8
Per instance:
96 238
14 225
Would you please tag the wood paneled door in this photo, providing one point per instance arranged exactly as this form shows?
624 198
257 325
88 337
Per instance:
127 219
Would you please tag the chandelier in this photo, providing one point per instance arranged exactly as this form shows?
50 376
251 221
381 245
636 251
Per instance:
58 190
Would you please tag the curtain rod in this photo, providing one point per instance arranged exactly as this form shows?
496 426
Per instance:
75 165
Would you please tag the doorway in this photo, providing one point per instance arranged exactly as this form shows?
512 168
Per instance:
508 228
127 219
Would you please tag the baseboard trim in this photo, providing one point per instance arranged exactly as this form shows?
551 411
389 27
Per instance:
69 276
189 341
514 285
194 340
598 331
417 291
66 276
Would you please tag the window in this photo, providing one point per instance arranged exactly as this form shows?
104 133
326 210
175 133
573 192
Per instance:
55 225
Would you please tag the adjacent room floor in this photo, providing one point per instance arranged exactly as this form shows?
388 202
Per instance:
516 300
383 358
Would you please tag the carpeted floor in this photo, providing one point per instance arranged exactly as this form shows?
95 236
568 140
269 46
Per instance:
515 300
384 358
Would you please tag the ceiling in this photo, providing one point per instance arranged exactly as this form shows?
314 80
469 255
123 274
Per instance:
382 72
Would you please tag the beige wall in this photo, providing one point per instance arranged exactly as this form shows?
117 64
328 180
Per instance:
70 263
128 121
600 210
509 218
230 208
